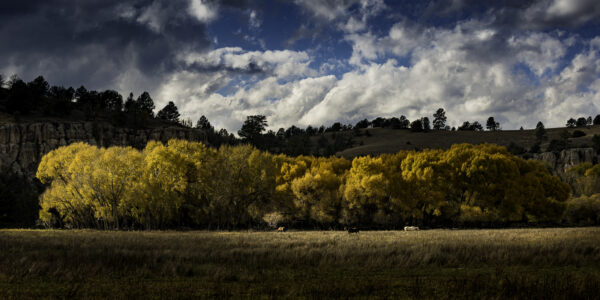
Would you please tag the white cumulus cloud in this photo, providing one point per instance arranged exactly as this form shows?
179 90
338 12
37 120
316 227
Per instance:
202 10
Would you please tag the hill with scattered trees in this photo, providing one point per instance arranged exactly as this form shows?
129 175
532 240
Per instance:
375 141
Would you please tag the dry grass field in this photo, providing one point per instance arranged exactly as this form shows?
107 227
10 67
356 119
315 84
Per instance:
561 263
385 140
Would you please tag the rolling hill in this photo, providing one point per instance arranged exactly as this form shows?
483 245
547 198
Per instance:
385 140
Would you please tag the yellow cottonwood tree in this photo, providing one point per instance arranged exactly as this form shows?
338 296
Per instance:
366 191
543 196
490 184
243 179
175 183
68 197
112 181
89 186
426 175
317 193
288 169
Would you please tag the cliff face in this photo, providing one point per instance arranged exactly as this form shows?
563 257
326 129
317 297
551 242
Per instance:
561 162
22 145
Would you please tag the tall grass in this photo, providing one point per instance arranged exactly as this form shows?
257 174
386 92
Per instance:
512 263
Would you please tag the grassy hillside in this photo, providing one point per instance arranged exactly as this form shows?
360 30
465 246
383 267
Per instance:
436 264
385 140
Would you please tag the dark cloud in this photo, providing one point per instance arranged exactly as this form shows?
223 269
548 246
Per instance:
251 68
454 7
489 51
560 13
518 14
92 42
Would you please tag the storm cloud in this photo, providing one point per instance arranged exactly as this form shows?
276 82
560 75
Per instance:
102 43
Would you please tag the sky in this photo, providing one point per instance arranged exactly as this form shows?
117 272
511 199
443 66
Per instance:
316 62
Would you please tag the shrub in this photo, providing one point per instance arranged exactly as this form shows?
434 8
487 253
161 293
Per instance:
578 133
583 210
535 148
556 146
596 143
515 149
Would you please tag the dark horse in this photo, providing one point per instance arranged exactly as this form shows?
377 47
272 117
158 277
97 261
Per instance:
352 230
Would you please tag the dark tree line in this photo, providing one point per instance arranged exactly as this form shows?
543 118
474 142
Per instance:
39 98
583 122
338 136
294 140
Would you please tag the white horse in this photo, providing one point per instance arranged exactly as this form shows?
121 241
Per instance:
411 228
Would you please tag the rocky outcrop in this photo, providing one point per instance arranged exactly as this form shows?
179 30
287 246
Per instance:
566 159
22 145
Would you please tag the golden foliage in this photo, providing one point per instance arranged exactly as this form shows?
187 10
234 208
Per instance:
188 184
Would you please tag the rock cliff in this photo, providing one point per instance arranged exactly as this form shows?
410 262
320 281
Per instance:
22 145
561 162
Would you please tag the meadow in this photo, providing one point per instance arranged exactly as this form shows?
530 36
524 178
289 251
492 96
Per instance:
553 263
